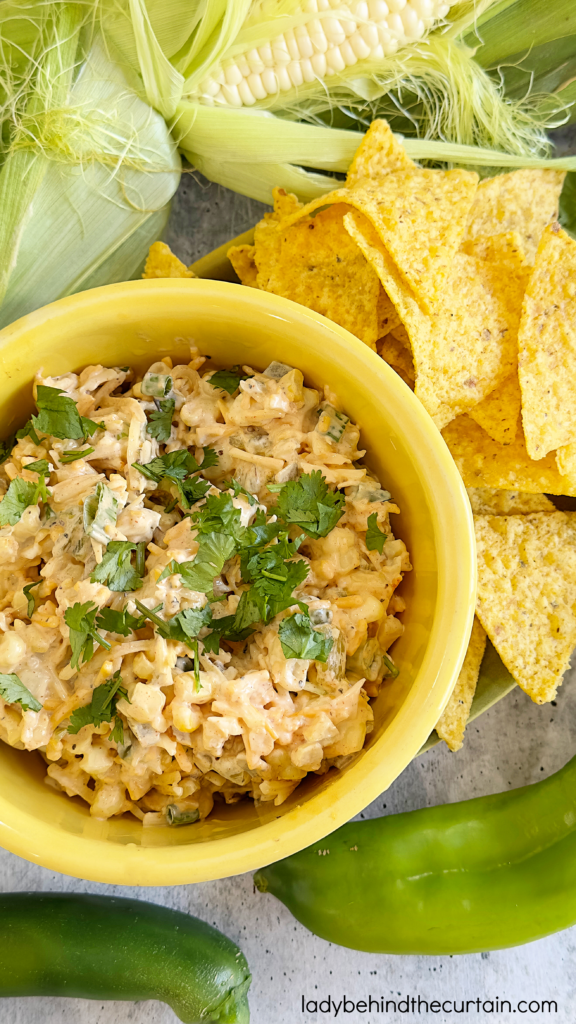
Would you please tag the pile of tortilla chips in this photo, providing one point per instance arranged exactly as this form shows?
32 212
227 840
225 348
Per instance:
467 289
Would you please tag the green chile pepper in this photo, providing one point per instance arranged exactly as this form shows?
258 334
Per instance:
487 873
102 947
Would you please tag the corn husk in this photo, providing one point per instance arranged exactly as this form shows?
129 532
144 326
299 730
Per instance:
88 187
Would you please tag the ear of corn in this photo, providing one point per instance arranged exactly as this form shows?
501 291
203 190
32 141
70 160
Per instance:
109 171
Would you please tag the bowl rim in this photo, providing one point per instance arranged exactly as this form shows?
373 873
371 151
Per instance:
82 857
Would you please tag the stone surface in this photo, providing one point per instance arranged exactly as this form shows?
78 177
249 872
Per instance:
514 743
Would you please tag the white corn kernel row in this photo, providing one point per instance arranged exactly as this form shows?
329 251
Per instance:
322 46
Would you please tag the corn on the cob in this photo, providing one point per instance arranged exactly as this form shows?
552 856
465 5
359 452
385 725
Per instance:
333 36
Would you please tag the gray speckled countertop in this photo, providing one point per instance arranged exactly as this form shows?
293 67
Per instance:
514 743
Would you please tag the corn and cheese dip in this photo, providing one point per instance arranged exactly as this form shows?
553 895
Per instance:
197 583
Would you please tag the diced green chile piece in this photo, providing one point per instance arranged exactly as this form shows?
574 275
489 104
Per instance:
487 873
176 816
331 423
277 370
104 947
156 385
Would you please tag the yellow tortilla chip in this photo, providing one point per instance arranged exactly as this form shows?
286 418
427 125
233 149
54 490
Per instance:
496 248
566 461
162 262
524 201
420 216
242 259
378 154
468 347
547 346
485 463
286 204
388 318
486 501
315 262
395 353
452 723
498 414
527 595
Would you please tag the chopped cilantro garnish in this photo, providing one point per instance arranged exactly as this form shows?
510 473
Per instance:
72 456
227 380
233 485
183 627
121 622
116 569
299 639
213 551
80 619
100 510
6 448
13 691
27 591
58 416
27 431
41 466
20 494
375 537
310 504
218 514
102 708
160 422
275 575
178 467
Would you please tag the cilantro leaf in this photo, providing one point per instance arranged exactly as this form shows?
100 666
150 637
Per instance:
275 575
174 465
99 510
210 458
233 485
72 456
192 490
160 422
183 627
13 691
299 639
310 504
116 569
227 380
102 708
375 537
6 448
218 515
214 549
80 620
27 431
89 427
20 494
41 466
121 622
57 414
28 595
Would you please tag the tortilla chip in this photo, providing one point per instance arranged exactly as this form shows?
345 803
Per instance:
378 154
547 346
242 259
502 248
468 347
315 262
486 501
395 353
483 462
286 204
527 595
523 201
161 262
498 414
388 318
452 723
566 462
420 216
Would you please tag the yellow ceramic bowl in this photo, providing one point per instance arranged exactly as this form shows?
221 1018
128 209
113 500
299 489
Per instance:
136 323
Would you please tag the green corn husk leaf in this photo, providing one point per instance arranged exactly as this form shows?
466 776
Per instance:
257 180
103 196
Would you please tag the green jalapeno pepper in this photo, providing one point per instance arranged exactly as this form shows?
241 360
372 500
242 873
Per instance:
101 947
487 873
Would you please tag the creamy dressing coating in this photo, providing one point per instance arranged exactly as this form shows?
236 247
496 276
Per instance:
258 721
